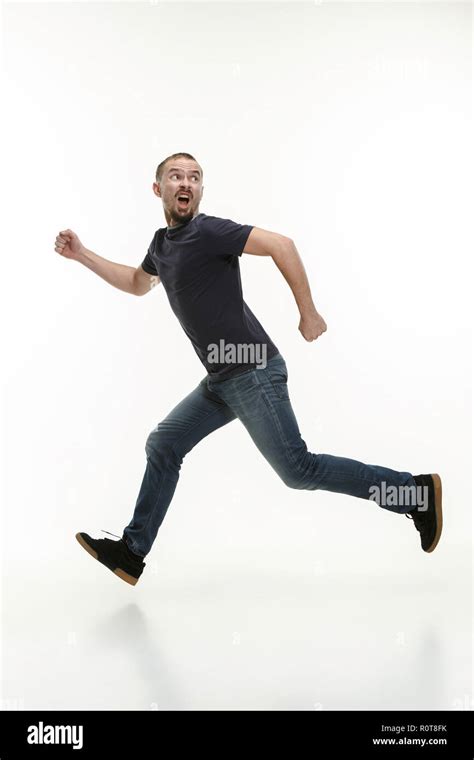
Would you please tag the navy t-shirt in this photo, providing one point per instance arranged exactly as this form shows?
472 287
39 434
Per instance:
197 263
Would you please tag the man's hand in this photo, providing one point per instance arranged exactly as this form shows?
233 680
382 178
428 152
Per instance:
69 245
133 280
311 326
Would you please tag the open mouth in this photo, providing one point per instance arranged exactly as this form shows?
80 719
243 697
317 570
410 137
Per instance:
183 201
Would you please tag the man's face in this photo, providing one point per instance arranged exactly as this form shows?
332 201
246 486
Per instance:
180 190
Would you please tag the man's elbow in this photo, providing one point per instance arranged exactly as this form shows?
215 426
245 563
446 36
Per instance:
284 247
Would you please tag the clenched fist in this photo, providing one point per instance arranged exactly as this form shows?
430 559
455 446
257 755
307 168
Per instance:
311 326
68 245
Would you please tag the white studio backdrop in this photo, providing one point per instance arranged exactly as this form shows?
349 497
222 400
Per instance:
343 125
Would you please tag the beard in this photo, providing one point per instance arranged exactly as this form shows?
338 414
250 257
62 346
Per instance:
181 215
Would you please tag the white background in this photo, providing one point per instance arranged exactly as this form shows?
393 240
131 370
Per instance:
344 126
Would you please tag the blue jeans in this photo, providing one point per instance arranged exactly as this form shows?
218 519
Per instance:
259 399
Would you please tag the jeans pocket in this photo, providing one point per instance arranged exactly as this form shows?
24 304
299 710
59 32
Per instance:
277 375
233 386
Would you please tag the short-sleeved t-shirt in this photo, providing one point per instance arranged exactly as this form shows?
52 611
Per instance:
197 263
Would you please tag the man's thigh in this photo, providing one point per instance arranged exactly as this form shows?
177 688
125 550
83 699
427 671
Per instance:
197 415
261 401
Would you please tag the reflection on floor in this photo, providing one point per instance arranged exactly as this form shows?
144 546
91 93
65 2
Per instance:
255 640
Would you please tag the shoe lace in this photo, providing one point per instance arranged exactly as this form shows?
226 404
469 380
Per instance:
417 519
133 556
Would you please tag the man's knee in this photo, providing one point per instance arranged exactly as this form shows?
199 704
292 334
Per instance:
303 474
293 479
160 450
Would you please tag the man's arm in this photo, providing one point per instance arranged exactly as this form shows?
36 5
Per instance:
132 280
144 282
283 251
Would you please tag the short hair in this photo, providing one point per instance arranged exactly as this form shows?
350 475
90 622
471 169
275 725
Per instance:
161 167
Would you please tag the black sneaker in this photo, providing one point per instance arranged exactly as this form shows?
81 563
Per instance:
115 555
429 521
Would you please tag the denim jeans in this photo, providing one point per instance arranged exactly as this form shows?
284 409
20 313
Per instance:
259 399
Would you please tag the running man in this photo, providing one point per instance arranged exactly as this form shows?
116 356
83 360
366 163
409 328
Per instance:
196 258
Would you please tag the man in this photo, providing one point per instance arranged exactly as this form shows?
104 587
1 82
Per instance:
196 257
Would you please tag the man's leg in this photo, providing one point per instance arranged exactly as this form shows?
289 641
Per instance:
197 415
260 400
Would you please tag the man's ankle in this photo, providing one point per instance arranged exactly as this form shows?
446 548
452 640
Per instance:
130 551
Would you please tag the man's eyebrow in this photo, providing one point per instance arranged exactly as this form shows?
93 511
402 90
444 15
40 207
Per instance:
177 169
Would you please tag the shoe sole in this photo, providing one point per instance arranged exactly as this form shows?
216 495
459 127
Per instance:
438 493
121 573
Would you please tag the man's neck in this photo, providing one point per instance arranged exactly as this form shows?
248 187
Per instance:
181 224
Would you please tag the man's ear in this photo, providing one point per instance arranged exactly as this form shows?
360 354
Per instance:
157 189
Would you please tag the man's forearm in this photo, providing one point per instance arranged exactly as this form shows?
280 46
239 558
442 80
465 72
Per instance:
118 275
291 266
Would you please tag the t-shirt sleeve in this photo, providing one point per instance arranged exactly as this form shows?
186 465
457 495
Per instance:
224 237
147 263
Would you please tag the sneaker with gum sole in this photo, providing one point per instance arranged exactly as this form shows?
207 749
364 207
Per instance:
115 555
429 522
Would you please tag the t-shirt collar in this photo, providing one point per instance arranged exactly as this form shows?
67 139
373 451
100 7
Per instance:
172 228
